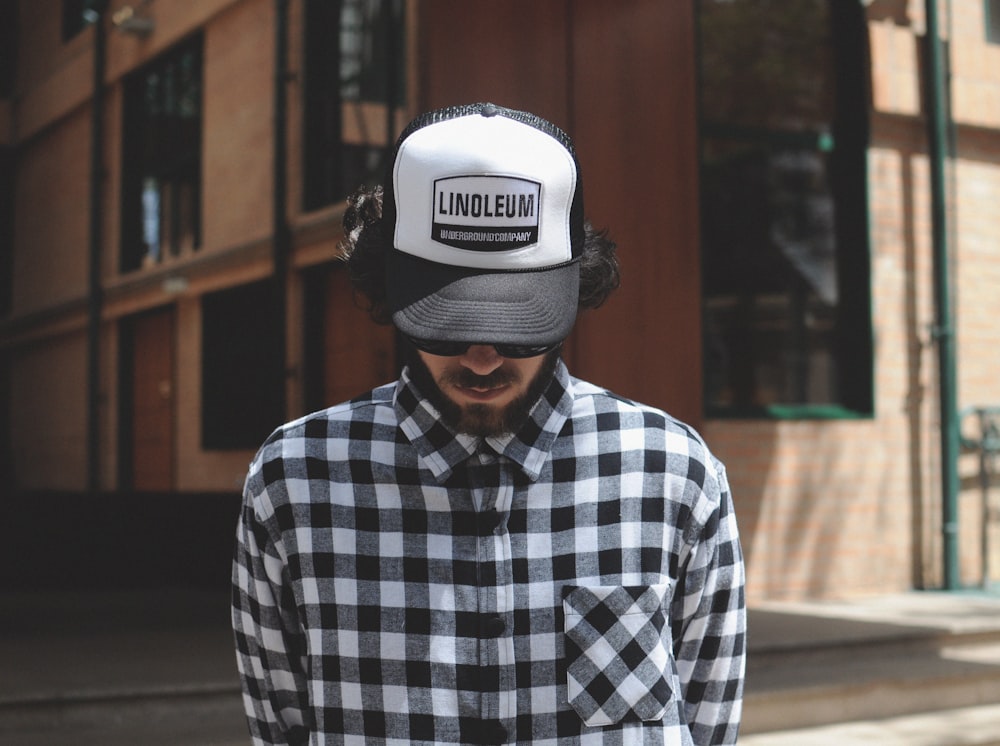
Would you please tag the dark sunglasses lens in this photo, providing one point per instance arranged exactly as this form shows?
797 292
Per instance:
521 351
451 349
439 347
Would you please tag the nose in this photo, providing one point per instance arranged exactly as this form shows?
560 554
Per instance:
481 359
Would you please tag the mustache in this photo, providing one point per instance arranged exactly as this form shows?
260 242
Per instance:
465 378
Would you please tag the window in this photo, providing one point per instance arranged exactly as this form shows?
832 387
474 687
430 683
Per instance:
785 288
73 17
161 176
243 382
354 92
992 13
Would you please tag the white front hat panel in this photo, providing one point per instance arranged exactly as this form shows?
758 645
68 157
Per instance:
485 193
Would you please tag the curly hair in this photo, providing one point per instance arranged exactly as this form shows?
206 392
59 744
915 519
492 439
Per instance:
363 249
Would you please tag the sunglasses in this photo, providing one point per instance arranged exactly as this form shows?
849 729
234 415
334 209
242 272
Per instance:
452 349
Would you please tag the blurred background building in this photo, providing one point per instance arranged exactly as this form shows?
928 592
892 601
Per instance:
804 195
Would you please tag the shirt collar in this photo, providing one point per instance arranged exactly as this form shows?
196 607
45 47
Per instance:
442 449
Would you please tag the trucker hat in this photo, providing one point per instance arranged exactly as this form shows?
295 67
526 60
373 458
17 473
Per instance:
483 206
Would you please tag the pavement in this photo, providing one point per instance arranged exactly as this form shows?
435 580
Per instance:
157 667
119 668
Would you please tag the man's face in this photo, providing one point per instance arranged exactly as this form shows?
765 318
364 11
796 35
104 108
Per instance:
480 392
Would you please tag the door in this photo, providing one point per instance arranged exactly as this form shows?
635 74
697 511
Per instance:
150 384
354 354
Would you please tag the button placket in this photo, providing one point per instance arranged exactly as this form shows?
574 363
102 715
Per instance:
495 643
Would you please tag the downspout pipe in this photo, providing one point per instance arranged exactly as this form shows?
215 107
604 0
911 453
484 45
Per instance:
938 121
95 16
281 238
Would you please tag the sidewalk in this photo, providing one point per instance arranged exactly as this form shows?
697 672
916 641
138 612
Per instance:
112 668
117 668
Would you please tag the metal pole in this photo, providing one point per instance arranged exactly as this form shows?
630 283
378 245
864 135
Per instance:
393 21
985 478
944 332
282 236
95 16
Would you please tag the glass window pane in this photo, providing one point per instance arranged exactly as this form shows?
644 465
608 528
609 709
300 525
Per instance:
151 219
992 12
782 167
242 357
161 179
354 93
766 63
73 21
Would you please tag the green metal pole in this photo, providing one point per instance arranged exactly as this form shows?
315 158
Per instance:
937 122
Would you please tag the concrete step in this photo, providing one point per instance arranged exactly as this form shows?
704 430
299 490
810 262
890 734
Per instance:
865 682
203 718
965 726
853 664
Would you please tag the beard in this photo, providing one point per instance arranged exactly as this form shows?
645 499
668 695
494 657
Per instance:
482 420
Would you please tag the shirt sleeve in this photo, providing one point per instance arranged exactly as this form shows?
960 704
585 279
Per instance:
710 644
269 641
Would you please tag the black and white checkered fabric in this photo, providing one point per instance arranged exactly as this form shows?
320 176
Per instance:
580 582
618 663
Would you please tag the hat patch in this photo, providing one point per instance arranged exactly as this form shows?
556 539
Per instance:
486 213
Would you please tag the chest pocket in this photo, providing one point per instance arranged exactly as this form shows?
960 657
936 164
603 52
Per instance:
617 652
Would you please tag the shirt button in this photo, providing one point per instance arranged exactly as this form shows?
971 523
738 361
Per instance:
493 626
493 732
488 522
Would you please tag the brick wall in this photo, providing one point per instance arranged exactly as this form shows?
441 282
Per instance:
851 508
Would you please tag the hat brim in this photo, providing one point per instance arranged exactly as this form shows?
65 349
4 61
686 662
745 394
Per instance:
441 302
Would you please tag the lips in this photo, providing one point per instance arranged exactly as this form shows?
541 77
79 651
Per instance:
481 388
482 393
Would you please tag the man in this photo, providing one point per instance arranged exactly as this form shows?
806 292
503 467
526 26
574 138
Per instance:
488 550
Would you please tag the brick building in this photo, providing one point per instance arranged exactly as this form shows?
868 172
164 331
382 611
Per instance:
173 180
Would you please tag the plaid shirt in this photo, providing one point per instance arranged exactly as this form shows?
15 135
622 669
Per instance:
580 582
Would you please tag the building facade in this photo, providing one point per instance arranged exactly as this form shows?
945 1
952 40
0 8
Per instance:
174 177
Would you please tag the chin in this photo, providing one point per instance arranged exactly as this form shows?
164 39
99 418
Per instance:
484 420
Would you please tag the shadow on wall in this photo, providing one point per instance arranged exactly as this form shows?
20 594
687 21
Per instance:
821 512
